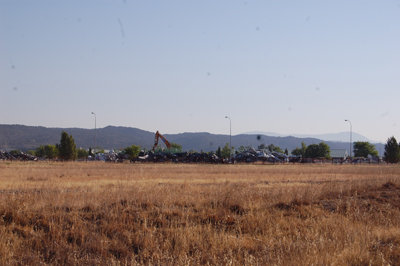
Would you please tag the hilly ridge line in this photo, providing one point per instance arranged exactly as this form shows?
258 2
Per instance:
115 137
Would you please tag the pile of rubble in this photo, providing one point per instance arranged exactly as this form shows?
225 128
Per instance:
181 157
252 155
110 156
17 156
248 156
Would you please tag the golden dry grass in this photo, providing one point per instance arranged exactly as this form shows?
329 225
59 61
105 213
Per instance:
100 213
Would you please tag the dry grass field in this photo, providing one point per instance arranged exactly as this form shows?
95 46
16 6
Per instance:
175 214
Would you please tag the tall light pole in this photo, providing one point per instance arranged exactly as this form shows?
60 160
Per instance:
95 127
230 136
351 133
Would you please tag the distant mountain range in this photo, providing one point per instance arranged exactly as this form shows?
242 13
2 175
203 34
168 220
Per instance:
341 136
113 137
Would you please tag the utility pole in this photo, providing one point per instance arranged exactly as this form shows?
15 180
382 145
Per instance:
230 137
351 135
95 131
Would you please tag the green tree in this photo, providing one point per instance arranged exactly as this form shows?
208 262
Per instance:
274 148
82 154
132 151
321 150
392 151
51 151
175 147
219 154
226 151
325 150
312 151
31 152
286 151
262 147
67 147
300 151
47 151
39 152
303 148
363 149
297 152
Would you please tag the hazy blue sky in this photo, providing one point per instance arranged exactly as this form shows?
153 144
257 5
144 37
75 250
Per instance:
181 66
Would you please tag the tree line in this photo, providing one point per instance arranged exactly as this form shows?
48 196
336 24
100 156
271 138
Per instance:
66 150
360 148
322 150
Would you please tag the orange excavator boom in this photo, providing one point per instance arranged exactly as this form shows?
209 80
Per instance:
159 136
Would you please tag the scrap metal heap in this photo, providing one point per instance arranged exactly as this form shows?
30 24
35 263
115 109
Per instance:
170 154
248 156
17 156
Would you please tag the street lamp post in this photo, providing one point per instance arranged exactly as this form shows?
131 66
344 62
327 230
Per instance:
351 133
230 137
95 127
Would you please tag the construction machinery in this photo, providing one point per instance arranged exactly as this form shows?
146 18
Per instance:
159 136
